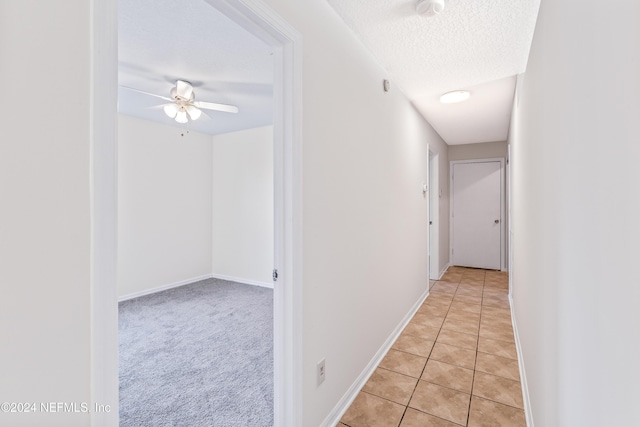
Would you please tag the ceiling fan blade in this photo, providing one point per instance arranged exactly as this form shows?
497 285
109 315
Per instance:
215 106
146 93
184 89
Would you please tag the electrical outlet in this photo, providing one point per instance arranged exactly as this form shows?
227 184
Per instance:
321 371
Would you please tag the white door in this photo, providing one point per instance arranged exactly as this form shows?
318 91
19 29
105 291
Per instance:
476 214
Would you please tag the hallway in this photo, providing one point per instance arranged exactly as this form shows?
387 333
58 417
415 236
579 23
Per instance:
455 363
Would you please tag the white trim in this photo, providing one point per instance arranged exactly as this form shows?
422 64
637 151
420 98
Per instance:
502 206
194 280
257 18
163 287
260 20
343 404
523 375
243 281
103 192
444 270
507 192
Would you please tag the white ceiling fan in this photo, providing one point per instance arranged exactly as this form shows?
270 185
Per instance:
183 105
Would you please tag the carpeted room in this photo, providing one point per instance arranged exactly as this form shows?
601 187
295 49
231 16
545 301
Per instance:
195 218
195 254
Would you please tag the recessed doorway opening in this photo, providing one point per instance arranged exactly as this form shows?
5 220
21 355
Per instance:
285 41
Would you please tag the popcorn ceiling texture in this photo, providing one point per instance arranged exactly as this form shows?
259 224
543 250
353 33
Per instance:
474 45
469 43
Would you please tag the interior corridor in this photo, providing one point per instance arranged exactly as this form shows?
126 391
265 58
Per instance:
454 364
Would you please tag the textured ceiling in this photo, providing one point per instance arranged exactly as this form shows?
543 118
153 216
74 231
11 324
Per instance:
470 43
161 41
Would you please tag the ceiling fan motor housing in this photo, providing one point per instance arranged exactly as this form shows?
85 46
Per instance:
174 95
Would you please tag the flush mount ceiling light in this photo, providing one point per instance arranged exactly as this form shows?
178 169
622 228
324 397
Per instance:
455 96
429 7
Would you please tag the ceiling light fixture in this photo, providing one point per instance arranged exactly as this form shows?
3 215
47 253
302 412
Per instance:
182 112
455 96
429 7
171 110
182 109
181 117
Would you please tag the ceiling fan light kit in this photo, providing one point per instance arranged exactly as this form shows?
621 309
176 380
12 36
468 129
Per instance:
182 109
179 112
181 117
429 7
171 110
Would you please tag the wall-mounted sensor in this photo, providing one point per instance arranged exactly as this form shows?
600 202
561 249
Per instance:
386 85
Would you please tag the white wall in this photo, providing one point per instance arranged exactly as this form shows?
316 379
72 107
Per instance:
164 205
485 150
45 206
575 178
242 214
365 218
365 245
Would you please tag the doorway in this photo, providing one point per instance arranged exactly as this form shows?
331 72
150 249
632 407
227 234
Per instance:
286 42
477 213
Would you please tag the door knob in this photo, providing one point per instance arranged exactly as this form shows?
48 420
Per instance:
496 221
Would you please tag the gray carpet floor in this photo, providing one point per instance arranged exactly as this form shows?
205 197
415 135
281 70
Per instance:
197 355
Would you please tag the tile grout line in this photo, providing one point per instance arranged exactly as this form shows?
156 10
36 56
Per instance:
425 365
486 373
475 360
473 381
476 357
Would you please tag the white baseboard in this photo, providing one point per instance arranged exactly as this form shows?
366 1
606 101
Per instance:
523 375
194 280
243 281
341 407
444 270
164 287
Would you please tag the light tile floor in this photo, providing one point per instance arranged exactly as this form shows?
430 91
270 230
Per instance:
455 364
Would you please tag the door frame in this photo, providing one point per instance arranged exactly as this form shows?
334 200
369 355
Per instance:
502 206
434 215
259 19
